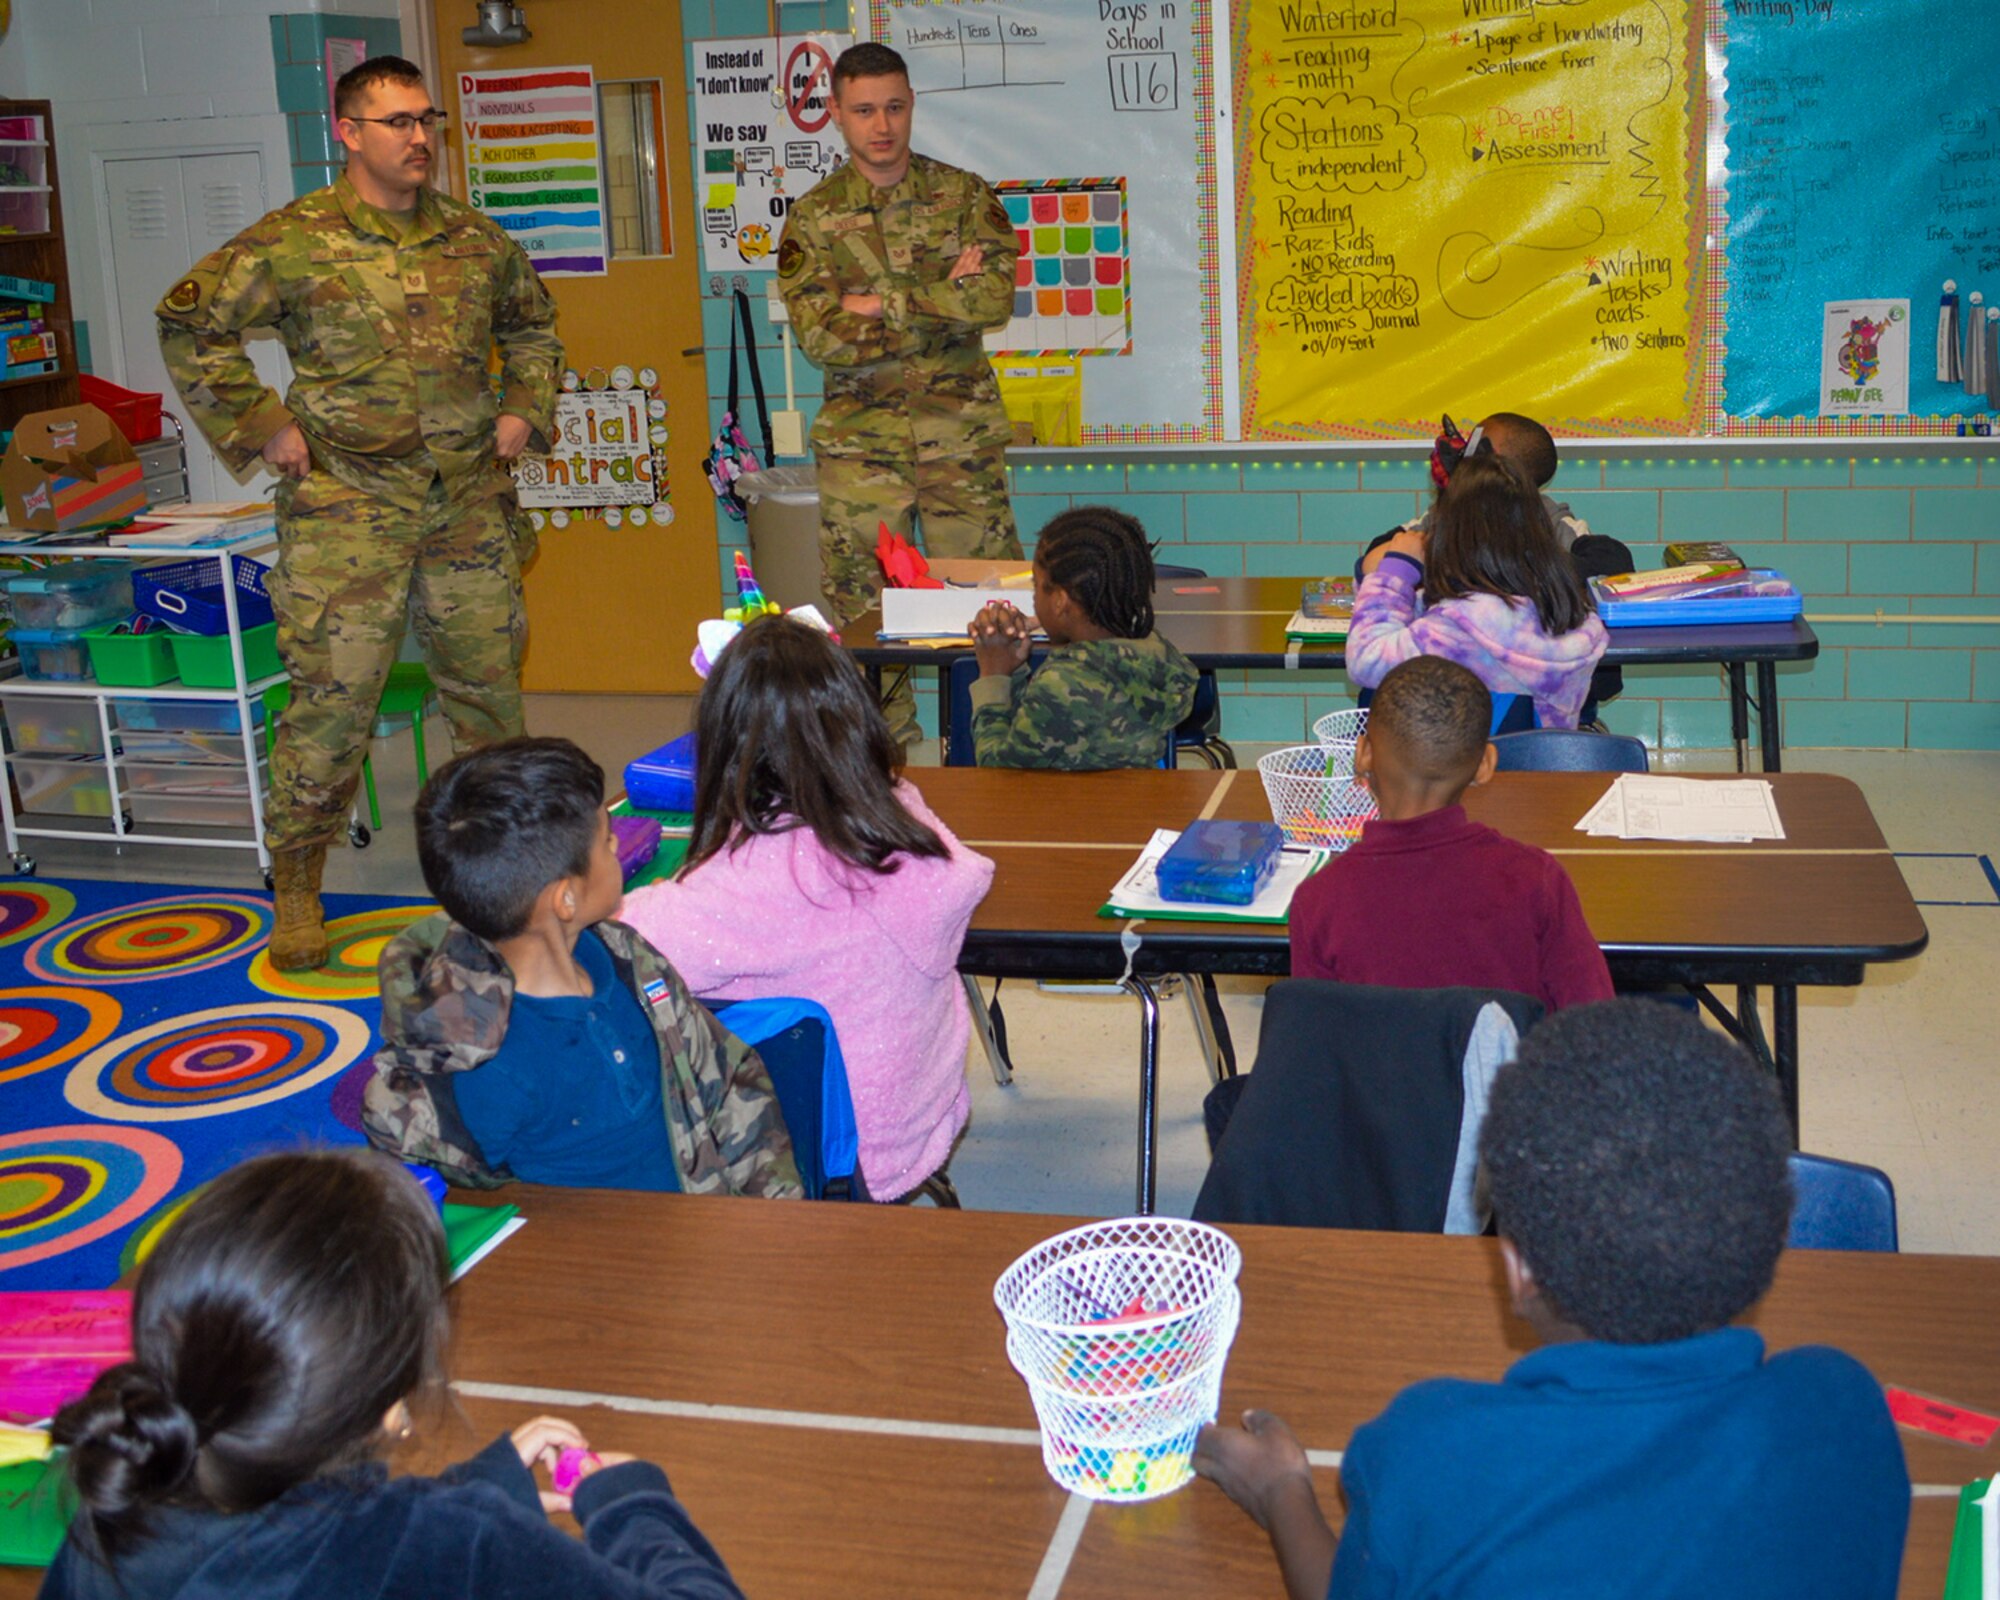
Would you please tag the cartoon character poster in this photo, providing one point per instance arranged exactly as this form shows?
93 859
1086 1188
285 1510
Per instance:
1864 364
764 135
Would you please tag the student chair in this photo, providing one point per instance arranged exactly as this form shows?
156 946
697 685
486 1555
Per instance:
1841 1205
1201 731
1363 1109
1569 750
408 693
796 1040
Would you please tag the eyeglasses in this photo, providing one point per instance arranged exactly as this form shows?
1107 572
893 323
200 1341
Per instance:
405 123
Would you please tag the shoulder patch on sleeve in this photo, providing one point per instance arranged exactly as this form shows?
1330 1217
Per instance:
791 256
183 296
997 218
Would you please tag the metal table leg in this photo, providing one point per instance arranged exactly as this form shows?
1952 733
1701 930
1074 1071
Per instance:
1785 1049
1739 714
1769 723
1149 1090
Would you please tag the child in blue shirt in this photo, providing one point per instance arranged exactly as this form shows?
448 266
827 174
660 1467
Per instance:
1636 1164
528 1035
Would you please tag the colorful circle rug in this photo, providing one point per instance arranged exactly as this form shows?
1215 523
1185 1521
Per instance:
349 974
48 1024
62 1188
167 938
211 1063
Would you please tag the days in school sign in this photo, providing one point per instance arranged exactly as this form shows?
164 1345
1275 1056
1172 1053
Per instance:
534 163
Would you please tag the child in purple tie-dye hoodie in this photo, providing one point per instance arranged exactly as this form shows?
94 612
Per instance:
1499 597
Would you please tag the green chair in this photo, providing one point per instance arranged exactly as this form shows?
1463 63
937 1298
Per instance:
408 693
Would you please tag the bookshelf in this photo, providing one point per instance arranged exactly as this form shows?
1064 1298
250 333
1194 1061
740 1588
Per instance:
31 246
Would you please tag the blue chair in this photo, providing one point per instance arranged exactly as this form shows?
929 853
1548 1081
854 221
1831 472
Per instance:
1841 1205
796 1040
1569 750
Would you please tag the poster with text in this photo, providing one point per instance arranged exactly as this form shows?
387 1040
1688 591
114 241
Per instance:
1466 206
534 163
603 454
764 135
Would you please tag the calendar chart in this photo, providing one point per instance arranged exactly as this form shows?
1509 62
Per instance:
1073 281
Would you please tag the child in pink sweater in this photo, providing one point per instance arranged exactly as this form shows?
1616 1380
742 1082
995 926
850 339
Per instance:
814 870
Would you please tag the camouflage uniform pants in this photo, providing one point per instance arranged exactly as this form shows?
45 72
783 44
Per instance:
350 570
959 504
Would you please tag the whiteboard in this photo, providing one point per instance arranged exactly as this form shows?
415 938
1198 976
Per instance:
1041 89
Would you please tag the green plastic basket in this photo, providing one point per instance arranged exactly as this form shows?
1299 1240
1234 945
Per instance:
130 660
204 662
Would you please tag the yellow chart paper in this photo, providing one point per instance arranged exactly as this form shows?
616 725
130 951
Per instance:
1466 206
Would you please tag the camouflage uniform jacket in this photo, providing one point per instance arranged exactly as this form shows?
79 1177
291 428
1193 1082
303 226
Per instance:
915 380
390 328
446 995
1089 706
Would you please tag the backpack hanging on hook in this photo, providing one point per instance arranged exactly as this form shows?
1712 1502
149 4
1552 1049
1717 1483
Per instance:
729 454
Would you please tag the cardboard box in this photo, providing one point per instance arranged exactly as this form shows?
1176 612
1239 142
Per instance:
68 469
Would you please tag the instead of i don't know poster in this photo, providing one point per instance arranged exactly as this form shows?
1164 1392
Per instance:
534 163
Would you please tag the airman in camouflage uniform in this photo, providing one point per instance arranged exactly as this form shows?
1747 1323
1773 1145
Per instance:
892 269
446 997
1089 706
395 499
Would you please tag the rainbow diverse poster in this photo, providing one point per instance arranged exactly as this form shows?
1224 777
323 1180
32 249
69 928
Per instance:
534 163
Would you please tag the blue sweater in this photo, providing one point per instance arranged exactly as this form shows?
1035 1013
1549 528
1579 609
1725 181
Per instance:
1693 1469
478 1532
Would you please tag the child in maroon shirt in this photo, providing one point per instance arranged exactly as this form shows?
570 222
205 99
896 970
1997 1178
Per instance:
1427 898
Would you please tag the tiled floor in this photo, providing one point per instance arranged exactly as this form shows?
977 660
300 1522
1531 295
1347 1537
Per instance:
1899 1073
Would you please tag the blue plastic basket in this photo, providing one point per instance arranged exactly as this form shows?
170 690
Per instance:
188 595
664 779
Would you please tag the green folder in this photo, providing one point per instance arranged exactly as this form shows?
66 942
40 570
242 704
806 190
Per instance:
469 1231
35 1508
1962 1577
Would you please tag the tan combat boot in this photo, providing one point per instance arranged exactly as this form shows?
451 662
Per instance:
298 938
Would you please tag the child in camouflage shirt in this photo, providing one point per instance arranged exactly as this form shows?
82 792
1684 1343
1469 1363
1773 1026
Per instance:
527 1035
1111 691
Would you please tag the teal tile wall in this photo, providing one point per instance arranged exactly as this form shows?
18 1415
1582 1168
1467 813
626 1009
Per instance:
298 64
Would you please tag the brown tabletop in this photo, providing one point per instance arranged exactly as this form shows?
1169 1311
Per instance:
829 1388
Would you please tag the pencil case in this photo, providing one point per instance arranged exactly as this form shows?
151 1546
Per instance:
1220 863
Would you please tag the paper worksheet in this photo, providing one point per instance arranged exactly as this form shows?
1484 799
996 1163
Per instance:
1137 894
1726 811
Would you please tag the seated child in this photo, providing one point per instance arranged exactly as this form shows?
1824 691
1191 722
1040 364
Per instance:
1499 597
816 870
1636 1165
284 1330
1427 898
526 1035
1111 691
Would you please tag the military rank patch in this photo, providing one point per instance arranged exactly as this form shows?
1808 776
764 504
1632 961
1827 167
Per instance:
184 296
997 220
791 256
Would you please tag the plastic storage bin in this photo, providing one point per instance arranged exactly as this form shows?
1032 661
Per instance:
663 780
1757 595
71 594
187 716
53 655
188 594
130 660
39 723
195 810
77 786
203 661
136 414
1220 863
177 744
212 779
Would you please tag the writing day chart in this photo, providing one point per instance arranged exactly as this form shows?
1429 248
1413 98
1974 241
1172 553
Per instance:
1466 206
1860 150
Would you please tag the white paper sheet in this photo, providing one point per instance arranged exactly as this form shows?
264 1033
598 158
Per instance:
1713 811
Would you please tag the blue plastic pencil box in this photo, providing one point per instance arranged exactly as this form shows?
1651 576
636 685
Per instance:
1220 863
664 779
1758 595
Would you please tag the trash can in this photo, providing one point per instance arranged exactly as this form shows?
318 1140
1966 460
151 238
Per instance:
784 534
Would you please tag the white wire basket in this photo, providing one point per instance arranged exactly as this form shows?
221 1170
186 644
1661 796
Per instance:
1121 1330
1314 796
1339 729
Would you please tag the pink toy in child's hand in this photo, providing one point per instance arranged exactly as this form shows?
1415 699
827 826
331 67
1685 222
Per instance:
569 1469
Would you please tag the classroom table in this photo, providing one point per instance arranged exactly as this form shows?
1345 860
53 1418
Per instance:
1220 623
827 1384
1817 907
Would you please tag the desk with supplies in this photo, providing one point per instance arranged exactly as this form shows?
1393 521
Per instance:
1221 623
827 1385
1815 908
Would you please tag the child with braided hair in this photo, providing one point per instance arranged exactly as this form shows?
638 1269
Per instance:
1110 691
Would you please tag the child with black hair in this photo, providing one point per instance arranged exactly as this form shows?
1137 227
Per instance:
1499 597
284 1330
526 1034
1471 907
815 869
1636 1163
1111 691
